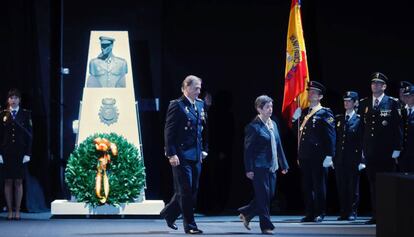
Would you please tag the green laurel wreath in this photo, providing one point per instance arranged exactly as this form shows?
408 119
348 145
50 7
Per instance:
126 171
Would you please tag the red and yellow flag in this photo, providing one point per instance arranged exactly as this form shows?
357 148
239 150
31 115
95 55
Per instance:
296 69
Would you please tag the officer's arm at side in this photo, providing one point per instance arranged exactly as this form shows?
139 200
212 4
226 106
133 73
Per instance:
170 131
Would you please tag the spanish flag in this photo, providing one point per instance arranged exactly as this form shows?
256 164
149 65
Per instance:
296 69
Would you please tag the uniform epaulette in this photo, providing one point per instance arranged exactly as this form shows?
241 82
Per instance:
339 115
394 99
363 99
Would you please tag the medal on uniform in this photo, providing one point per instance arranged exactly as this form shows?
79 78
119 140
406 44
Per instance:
384 123
385 113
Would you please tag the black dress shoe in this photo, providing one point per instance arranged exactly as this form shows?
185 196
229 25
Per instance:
194 231
319 218
372 221
172 225
267 232
307 219
351 218
342 218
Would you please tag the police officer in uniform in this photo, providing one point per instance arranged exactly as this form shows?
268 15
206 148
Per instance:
382 135
315 152
347 160
403 85
406 161
15 150
185 150
107 70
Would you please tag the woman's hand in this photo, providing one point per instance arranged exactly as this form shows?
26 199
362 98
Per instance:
250 175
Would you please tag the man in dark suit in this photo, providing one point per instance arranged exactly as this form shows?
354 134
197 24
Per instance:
185 150
15 150
347 159
382 135
315 152
406 161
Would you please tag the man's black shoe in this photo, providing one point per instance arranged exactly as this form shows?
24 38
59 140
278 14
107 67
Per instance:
319 218
342 218
194 231
372 221
307 219
351 218
172 225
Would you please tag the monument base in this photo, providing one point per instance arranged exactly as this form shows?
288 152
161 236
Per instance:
146 207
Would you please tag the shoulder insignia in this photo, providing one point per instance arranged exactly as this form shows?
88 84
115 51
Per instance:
330 120
394 99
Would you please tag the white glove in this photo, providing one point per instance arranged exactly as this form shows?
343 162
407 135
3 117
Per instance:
395 154
327 162
1 159
26 159
297 114
361 167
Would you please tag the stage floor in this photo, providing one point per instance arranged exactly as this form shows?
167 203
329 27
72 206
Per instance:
41 225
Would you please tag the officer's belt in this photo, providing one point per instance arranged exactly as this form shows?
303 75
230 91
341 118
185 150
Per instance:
307 117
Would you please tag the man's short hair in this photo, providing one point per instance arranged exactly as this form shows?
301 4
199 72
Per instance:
261 101
189 80
14 92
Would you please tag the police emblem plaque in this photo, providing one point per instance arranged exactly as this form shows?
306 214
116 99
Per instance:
108 113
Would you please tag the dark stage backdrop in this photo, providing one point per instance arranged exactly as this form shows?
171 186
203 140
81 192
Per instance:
238 48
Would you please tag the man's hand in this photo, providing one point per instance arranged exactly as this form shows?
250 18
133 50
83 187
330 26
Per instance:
297 114
174 161
327 162
26 159
250 175
284 171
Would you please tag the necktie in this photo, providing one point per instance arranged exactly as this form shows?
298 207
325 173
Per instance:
346 122
275 165
409 112
13 112
376 103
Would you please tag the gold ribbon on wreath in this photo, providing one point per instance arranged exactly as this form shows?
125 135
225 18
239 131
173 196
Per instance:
104 146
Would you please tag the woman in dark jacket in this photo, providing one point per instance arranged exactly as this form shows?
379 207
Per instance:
263 154
15 150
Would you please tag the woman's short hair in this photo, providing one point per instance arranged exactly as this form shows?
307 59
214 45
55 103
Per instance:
261 101
189 80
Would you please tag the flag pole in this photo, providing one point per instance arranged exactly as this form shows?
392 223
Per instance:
298 135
